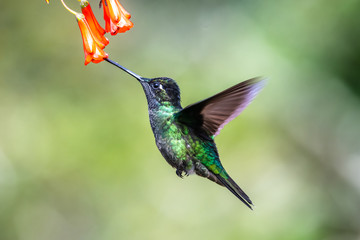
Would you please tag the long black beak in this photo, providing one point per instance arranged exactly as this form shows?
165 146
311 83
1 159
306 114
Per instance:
139 78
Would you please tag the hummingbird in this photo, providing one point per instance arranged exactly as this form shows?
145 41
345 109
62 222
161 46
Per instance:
185 136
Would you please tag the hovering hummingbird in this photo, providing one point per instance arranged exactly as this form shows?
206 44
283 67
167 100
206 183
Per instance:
185 136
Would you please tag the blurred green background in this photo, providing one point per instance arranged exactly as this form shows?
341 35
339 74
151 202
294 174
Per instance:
77 155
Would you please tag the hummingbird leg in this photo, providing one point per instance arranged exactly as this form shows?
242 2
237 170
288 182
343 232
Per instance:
189 168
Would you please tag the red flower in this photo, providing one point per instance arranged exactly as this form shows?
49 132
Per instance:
116 17
95 27
92 46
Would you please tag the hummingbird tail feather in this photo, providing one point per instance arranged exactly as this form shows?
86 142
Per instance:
214 178
236 190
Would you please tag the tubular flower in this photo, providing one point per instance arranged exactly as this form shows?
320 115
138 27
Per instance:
116 17
92 46
95 27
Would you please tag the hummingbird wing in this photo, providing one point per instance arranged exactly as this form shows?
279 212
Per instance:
213 113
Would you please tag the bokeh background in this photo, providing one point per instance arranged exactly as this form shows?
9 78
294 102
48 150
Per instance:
77 156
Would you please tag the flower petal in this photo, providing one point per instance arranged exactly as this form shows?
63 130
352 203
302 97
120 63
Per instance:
95 27
116 17
92 50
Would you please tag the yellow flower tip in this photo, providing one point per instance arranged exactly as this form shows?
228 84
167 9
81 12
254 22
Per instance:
47 1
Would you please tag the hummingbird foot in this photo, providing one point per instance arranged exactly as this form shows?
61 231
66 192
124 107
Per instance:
181 173
185 169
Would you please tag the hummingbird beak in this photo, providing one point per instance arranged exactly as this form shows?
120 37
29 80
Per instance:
138 77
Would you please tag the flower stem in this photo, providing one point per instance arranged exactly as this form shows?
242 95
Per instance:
67 8
124 69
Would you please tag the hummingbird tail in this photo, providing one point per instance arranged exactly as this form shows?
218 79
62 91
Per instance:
236 190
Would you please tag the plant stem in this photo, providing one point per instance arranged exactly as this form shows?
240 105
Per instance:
67 8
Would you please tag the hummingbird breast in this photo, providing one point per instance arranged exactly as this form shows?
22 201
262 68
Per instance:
178 143
172 139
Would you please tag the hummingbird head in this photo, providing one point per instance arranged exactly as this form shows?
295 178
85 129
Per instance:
160 91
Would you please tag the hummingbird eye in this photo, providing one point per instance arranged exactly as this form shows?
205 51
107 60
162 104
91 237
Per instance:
156 85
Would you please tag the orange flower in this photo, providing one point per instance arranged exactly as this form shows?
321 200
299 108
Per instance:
116 17
95 27
92 46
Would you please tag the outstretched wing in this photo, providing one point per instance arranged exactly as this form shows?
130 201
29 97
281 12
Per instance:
213 113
